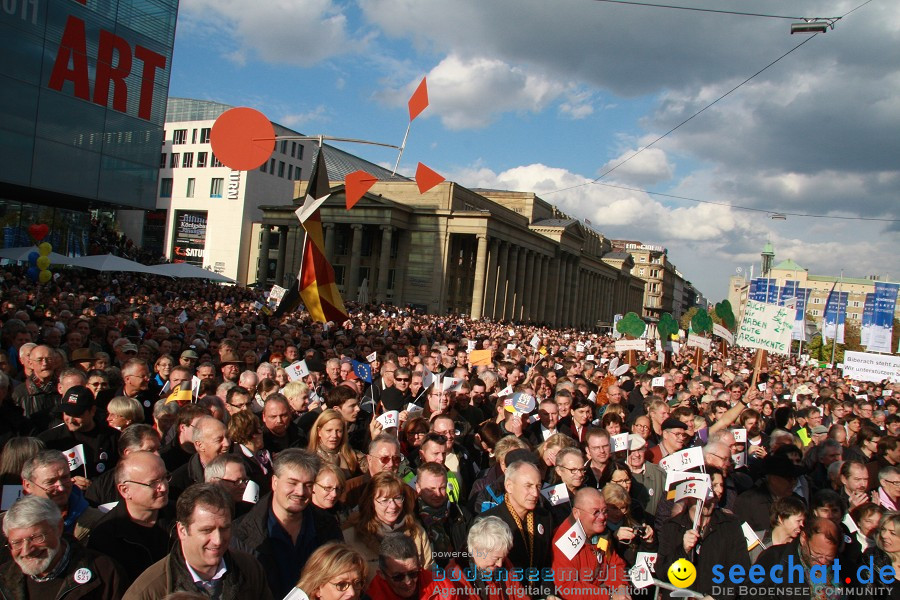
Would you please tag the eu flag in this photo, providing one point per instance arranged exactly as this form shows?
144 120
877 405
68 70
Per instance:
363 371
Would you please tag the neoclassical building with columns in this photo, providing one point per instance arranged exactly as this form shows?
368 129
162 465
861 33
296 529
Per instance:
505 255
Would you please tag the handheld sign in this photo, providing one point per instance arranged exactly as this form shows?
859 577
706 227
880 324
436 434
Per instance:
389 419
658 382
297 370
620 442
507 391
521 404
251 493
683 460
697 341
556 494
535 341
75 457
11 493
571 542
750 536
740 435
413 410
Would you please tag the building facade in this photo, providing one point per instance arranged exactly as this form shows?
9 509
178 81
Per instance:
505 255
83 89
665 289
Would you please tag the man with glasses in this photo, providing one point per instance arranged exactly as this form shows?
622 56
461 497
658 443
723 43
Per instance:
134 438
201 562
284 528
134 531
674 437
237 399
593 571
400 575
230 473
889 487
210 440
816 546
48 565
397 396
136 384
38 394
599 450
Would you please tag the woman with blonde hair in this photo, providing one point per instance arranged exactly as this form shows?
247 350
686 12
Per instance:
328 439
548 450
386 506
334 571
886 553
122 411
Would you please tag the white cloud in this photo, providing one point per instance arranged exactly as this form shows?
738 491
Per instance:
646 168
318 114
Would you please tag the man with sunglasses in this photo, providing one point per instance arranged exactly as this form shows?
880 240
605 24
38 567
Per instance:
400 575
134 531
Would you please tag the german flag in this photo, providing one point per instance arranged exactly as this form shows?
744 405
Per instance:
181 396
315 282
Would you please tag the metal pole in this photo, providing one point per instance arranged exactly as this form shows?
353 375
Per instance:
837 318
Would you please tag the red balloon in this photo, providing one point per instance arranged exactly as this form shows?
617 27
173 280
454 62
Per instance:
38 232
242 138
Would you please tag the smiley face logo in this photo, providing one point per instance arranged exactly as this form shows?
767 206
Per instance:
682 573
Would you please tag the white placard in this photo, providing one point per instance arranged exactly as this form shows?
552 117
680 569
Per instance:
370 358
619 442
866 366
723 333
626 345
297 371
641 573
692 489
579 347
740 435
571 542
251 492
556 494
750 536
471 344
75 457
673 478
510 346
698 341
761 387
850 523
535 342
413 410
592 397
589 357
507 391
183 317
451 384
683 460
658 382
766 326
11 493
389 419
739 460
296 594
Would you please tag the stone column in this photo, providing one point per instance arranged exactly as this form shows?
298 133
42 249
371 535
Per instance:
528 290
537 292
480 275
328 230
400 265
490 285
355 255
562 307
520 284
508 312
282 254
384 262
543 289
502 275
262 271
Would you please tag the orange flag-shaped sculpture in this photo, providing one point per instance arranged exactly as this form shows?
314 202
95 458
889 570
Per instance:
418 101
315 282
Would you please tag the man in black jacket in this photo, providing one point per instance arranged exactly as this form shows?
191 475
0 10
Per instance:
531 525
447 523
754 505
285 528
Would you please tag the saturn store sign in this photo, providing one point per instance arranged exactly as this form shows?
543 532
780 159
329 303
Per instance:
189 241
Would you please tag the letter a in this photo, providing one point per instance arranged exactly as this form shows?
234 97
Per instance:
72 48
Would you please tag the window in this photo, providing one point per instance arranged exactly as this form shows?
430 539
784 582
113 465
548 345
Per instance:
272 166
641 272
817 301
297 174
163 158
814 313
194 137
643 259
201 159
291 172
339 274
293 148
215 187
281 168
284 146
187 160
855 304
216 162
173 163
165 187
300 152
263 167
179 136
189 193
204 135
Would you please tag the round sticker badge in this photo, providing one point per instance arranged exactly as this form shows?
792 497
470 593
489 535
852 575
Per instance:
540 528
103 456
101 467
146 404
82 576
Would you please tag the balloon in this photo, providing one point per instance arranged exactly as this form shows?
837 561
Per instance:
32 273
44 276
32 258
38 231
42 262
45 248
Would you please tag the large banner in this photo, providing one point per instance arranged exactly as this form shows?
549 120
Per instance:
868 317
764 290
864 366
788 291
189 241
835 315
799 332
883 317
766 326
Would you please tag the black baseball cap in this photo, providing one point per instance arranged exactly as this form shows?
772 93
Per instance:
77 400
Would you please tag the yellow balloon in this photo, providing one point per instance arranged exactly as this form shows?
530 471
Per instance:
45 248
43 262
44 276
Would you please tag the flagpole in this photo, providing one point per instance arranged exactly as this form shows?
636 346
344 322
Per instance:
837 318
402 147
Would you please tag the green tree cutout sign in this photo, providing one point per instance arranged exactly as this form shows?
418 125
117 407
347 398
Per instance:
702 322
631 325
667 327
723 311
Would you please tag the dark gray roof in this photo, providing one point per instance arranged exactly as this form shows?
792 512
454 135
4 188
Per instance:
554 223
341 163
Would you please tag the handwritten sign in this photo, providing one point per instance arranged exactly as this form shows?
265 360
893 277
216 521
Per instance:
723 333
389 419
626 345
767 327
698 341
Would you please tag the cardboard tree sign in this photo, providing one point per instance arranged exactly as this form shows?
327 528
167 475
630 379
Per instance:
667 327
631 326
701 323
724 311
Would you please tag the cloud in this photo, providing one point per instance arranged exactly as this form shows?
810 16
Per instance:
647 168
318 114
275 31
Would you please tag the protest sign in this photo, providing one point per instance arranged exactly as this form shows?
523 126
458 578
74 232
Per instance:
11 493
389 419
626 345
683 460
75 457
723 333
866 366
619 442
766 327
479 358
572 540
698 341
750 536
251 492
297 371
692 488
740 435
556 494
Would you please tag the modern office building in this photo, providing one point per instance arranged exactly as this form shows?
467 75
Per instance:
83 87
501 254
665 288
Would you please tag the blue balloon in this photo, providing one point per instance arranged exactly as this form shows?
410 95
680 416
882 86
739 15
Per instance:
32 273
32 258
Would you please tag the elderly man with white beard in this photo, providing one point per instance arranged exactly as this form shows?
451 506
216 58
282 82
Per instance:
46 565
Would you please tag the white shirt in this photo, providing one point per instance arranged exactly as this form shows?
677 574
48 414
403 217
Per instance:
219 574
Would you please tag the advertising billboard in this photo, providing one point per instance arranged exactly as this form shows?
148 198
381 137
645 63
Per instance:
189 241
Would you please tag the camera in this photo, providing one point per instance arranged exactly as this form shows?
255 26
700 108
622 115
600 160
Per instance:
640 531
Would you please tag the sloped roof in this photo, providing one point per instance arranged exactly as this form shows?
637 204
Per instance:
554 223
788 265
341 163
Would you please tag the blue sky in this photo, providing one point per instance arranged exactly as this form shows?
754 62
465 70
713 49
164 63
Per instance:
540 95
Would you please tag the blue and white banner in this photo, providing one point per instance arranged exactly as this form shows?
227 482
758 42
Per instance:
835 315
787 292
764 290
883 317
799 331
868 316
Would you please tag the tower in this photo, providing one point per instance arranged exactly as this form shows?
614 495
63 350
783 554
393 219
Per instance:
768 258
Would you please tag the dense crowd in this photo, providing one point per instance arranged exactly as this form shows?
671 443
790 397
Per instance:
174 440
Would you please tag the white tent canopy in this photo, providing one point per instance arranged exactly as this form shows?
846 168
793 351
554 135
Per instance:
21 254
184 270
108 262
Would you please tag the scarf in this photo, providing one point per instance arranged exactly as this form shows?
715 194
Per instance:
433 520
59 568
527 530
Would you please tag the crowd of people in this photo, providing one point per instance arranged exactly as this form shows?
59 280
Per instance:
173 440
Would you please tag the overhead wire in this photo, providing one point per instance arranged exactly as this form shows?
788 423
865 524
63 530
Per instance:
706 10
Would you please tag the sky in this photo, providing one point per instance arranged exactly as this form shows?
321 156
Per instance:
547 96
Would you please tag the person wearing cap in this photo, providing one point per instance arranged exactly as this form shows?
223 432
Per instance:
188 359
82 358
754 506
230 366
79 427
674 436
649 479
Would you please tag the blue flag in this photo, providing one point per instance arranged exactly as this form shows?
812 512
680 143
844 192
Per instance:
363 371
883 316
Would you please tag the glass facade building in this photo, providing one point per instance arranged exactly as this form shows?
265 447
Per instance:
83 88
